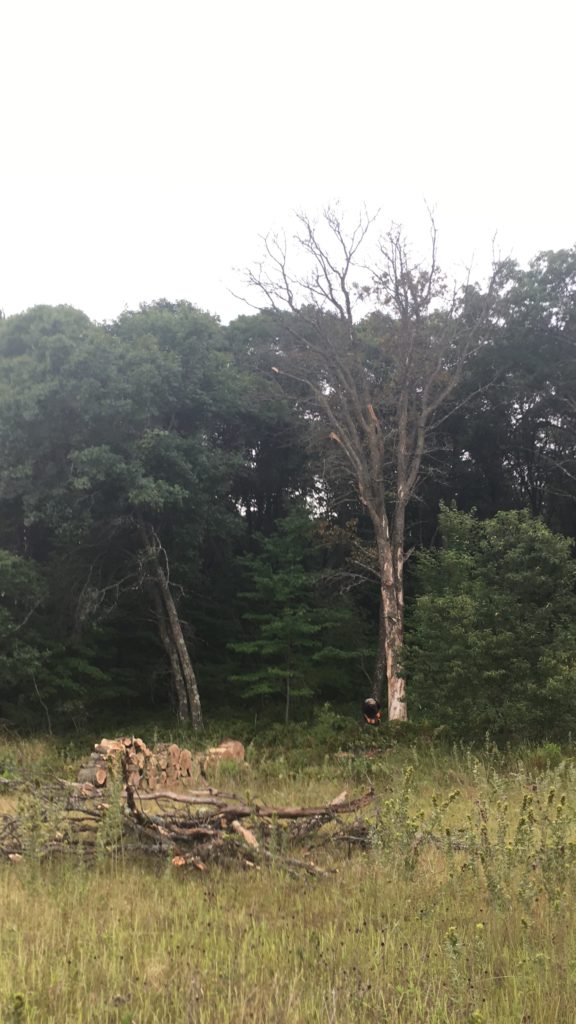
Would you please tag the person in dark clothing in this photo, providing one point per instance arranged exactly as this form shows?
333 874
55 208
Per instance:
371 711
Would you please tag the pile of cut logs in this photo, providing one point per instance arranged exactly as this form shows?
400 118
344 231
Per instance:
147 769
142 767
192 825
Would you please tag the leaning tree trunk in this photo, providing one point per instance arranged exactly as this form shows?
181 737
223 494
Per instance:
171 651
177 638
173 639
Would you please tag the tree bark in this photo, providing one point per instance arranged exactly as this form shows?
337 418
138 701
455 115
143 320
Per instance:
380 675
391 633
170 648
189 707
177 638
394 640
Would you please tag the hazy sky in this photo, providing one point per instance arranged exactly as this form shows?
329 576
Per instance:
146 145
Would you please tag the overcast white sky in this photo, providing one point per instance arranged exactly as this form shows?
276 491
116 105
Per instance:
146 144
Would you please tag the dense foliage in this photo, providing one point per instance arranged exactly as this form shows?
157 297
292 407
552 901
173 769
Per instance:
174 513
493 629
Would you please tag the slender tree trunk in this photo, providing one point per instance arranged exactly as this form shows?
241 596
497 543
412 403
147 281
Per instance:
173 638
170 648
188 674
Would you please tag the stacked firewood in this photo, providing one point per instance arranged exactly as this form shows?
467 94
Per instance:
147 769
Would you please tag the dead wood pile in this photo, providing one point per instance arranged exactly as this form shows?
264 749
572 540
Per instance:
147 769
192 826
144 768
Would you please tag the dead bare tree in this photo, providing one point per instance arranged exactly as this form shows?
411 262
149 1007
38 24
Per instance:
170 628
380 383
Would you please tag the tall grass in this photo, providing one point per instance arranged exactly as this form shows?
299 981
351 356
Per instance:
460 910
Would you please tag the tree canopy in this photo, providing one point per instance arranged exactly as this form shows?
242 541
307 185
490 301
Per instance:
195 515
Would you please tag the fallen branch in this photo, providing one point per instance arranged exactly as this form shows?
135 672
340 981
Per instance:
209 798
193 827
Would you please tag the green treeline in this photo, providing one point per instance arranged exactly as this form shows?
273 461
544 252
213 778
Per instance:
191 515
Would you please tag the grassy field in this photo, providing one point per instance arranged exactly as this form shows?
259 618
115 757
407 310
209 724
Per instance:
461 909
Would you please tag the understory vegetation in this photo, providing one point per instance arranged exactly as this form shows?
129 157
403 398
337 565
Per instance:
456 903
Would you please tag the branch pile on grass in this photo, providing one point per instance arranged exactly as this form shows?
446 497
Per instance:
191 826
211 825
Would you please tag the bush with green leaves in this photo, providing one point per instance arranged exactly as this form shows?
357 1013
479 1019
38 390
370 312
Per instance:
492 633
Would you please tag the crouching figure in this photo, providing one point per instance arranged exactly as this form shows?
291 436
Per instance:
371 711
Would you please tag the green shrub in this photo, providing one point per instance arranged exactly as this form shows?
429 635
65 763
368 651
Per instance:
544 757
491 636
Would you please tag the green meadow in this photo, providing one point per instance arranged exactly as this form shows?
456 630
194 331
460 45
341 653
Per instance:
456 907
